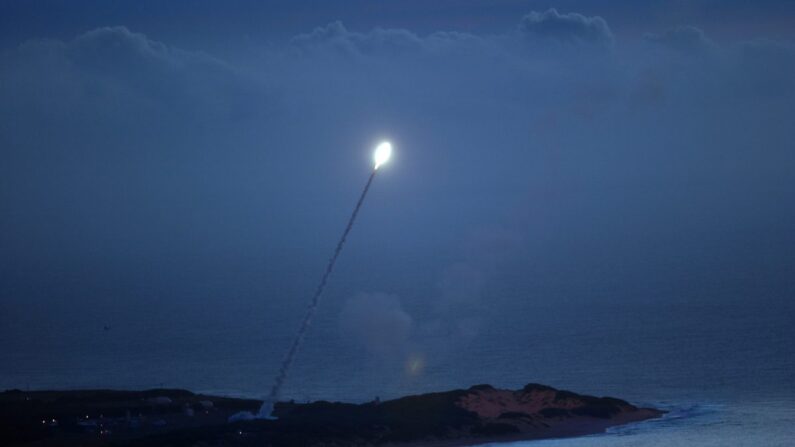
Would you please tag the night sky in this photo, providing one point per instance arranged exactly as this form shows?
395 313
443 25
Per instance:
201 158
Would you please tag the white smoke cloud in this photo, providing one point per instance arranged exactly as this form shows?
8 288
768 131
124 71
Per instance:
459 305
377 322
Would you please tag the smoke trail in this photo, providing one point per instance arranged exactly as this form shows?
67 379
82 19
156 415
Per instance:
267 405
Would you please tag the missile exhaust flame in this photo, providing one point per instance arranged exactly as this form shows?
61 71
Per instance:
382 154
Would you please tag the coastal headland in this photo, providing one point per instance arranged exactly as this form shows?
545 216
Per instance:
174 417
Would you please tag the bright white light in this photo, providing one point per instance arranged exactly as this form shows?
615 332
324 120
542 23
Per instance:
382 153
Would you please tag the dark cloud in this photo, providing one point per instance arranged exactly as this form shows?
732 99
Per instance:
767 67
96 130
335 36
684 39
540 28
613 168
566 28
335 39
117 45
122 67
120 53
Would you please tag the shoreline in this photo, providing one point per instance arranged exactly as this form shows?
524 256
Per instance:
595 429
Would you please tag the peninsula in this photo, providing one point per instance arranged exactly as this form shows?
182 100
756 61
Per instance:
172 417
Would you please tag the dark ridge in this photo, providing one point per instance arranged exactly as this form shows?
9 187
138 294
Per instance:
599 408
481 387
564 394
614 400
537 387
513 415
119 396
495 429
553 412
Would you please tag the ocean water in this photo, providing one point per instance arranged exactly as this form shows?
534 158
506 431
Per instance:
729 424
725 371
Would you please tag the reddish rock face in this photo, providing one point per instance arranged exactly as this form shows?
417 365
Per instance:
492 403
538 411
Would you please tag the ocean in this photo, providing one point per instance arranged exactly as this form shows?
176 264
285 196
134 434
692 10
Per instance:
725 371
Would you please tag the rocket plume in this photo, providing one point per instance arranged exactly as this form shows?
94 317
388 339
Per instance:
273 396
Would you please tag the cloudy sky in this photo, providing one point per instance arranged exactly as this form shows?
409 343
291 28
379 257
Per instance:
164 154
